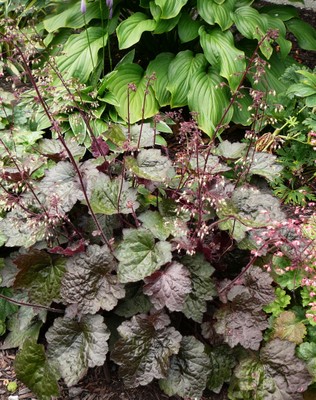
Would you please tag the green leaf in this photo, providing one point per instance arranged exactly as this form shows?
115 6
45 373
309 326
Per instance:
71 17
139 256
170 8
286 327
162 226
282 12
209 100
230 150
253 25
277 306
131 103
131 29
6 308
222 362
221 53
188 370
24 233
217 12
265 164
143 352
40 275
33 369
90 281
77 345
188 28
152 165
181 70
203 287
134 302
80 56
307 352
113 196
304 33
277 375
159 66
25 324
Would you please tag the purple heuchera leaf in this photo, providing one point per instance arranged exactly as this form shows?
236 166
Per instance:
144 350
169 287
99 147
90 281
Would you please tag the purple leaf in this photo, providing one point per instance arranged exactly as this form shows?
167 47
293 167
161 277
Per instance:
99 147
143 352
91 282
169 287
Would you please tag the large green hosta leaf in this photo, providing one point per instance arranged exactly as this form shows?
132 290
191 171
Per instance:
277 374
33 369
144 349
139 256
131 105
188 370
160 66
130 30
113 196
253 25
220 51
181 70
304 33
90 281
40 275
77 345
209 100
216 12
170 8
71 17
80 56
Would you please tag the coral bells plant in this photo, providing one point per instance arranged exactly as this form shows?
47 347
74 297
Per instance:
149 238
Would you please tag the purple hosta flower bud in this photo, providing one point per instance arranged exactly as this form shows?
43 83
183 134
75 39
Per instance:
83 6
109 3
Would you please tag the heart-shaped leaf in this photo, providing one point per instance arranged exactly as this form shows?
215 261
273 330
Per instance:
168 288
220 51
33 369
90 282
132 104
131 29
143 352
139 256
80 56
188 370
77 345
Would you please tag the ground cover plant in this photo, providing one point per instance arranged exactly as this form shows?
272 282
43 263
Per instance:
157 201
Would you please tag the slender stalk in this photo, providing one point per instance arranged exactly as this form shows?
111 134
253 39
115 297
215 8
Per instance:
55 126
23 303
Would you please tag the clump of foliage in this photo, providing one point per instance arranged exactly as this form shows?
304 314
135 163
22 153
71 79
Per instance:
177 264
